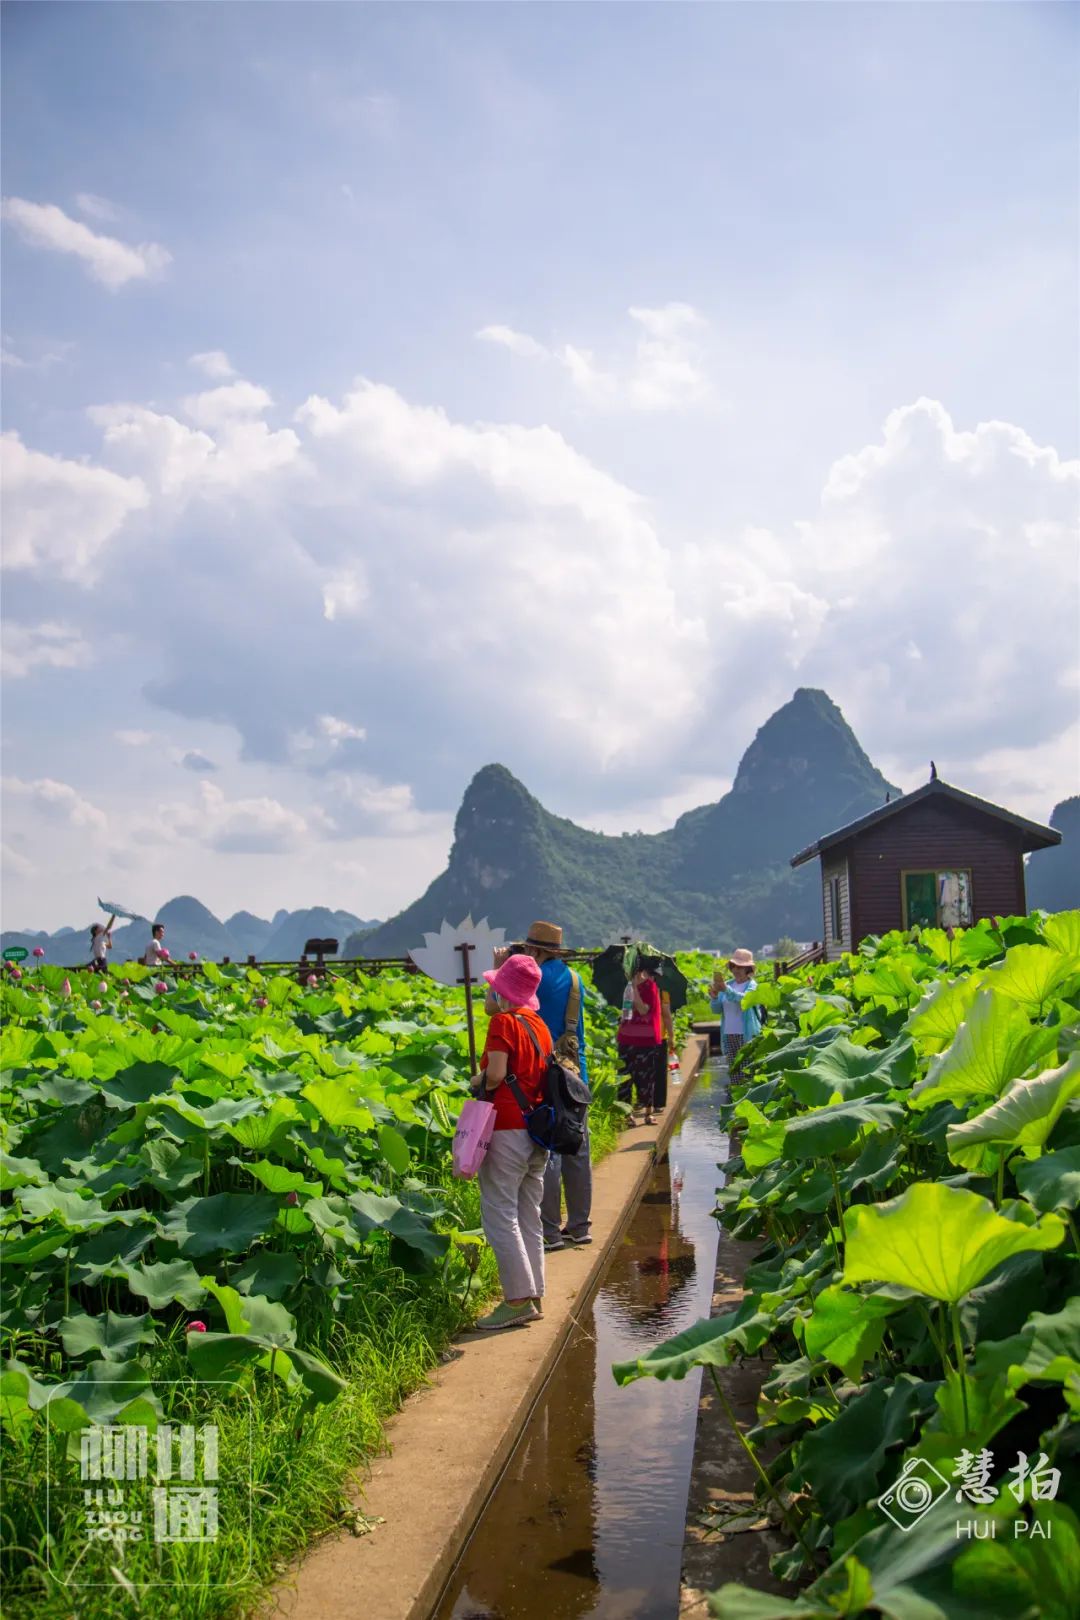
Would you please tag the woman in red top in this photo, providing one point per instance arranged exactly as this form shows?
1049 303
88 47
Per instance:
640 1036
512 1174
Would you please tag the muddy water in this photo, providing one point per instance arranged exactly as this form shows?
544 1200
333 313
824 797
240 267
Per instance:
589 1515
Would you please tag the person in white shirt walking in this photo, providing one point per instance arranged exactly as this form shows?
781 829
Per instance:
155 952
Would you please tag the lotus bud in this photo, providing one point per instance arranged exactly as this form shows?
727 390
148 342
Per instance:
193 956
103 986
160 987
39 950
65 988
163 951
261 1001
292 1199
196 1327
155 1029
16 971
96 1005
313 978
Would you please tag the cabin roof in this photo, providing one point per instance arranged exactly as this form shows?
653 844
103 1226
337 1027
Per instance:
1036 836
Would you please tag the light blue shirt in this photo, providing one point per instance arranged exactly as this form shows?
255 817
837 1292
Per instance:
738 1020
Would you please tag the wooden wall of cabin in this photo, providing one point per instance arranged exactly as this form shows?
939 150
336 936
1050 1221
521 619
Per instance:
936 835
835 906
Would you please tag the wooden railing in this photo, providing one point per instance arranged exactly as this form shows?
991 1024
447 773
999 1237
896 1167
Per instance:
815 953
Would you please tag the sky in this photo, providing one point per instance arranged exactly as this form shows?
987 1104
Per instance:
392 389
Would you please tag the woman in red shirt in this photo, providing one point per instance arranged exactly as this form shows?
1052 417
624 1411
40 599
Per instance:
640 1036
512 1174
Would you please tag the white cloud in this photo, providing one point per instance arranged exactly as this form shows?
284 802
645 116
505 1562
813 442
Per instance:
135 739
218 407
254 826
56 802
179 460
109 261
95 207
59 515
213 363
15 864
345 595
666 372
27 647
340 731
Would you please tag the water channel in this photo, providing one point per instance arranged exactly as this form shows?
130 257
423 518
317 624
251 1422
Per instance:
588 1517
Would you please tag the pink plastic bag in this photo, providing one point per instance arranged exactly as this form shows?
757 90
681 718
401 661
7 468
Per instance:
474 1131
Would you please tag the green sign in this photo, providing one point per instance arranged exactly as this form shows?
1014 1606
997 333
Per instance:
16 953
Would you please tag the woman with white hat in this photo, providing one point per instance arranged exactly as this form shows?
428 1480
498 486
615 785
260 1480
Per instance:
741 1024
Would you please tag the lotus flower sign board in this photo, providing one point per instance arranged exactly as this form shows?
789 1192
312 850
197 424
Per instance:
459 956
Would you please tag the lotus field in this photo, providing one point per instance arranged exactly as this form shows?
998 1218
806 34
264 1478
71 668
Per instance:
227 1207
906 1141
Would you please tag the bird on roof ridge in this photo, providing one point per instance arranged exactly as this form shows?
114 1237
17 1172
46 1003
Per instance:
933 772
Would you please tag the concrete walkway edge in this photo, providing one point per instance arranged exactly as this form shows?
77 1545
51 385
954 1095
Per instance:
453 1438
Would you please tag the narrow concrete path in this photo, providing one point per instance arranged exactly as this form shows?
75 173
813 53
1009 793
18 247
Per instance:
452 1439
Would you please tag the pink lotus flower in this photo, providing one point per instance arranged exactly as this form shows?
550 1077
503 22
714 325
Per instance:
292 1199
65 988
193 956
103 986
96 1005
16 972
163 952
160 987
196 1327
39 950
261 1001
313 978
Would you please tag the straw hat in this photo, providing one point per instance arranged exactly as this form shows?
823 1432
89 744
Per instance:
741 959
517 980
546 936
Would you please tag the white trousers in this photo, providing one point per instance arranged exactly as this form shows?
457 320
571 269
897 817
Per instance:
511 1187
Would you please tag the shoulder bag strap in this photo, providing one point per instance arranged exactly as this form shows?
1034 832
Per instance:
573 1004
511 1079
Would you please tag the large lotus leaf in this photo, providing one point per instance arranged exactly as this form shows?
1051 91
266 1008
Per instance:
78 1214
941 1241
250 1313
995 1043
714 1341
851 1071
138 1084
332 1217
72 1135
877 1166
107 1335
1052 1181
339 1104
1034 1574
100 1393
268 1273
842 1461
892 979
20 1173
1045 1349
225 1223
390 1215
278 1178
829 1130
1023 1117
165 1281
793 1051
847 1328
764 1136
320 1381
30 1247
170 1167
108 1251
59 1088
223 1356
394 1149
1030 974
935 1021
17 1044
265 1129
1062 932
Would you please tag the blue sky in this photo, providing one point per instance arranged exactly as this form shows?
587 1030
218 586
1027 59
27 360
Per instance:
570 383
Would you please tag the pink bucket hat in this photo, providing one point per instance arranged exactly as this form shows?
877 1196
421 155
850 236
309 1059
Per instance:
517 981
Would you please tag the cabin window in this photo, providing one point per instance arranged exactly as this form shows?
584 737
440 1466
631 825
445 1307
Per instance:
835 917
939 899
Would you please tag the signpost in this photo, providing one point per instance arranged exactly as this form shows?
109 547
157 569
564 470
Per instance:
458 956
16 953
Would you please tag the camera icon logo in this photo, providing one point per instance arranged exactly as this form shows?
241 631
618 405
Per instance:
911 1496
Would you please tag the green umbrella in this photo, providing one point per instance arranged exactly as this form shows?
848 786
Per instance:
613 968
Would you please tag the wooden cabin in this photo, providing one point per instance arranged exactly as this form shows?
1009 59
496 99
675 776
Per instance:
936 857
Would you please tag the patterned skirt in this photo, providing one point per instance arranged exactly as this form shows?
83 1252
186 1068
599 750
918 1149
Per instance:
733 1045
640 1063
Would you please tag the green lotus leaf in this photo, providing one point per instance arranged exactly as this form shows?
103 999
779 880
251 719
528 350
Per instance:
30 1247
1046 1349
59 1088
250 1313
941 1241
394 1149
171 1168
1052 1181
225 1223
995 1043
77 1213
108 1251
277 1178
851 1071
164 1282
100 1393
1023 1117
1030 974
138 1084
846 1328
339 1104
107 1335
20 1173
217 1356
268 1273
714 1341
936 1020
843 1461
829 1130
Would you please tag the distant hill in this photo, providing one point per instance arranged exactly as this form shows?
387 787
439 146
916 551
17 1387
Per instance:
719 877
191 926
1053 875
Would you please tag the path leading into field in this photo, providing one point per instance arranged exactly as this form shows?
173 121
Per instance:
452 1440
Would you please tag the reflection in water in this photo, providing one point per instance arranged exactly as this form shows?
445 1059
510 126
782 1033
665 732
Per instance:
588 1518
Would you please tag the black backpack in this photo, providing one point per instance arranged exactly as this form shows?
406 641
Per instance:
558 1122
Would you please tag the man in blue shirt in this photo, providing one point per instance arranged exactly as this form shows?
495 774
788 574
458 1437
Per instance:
562 1010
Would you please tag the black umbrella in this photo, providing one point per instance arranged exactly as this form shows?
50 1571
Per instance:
613 968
